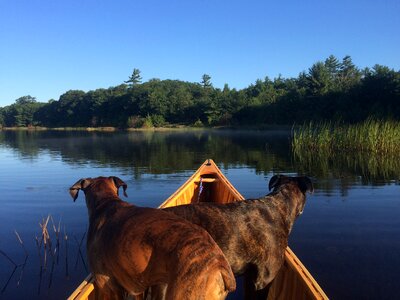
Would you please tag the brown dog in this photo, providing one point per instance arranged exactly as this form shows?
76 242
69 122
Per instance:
131 248
253 234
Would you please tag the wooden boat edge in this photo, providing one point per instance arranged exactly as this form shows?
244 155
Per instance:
295 263
84 290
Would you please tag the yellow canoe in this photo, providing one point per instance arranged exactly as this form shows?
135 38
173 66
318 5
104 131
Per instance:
292 282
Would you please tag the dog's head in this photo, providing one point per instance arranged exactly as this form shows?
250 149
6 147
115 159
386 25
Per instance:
99 184
302 183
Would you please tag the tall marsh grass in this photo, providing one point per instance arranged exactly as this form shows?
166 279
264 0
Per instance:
372 136
371 149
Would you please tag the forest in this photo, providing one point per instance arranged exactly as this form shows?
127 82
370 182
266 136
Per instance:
332 90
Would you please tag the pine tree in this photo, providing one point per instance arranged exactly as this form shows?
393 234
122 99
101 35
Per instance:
332 65
318 79
206 81
349 75
135 78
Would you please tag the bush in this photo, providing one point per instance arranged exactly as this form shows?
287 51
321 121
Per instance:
198 123
157 120
148 122
135 122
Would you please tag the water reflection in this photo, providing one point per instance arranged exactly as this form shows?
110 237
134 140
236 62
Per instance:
363 168
156 152
169 152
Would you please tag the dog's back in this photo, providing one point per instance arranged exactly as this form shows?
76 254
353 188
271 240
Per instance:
247 231
132 248
253 234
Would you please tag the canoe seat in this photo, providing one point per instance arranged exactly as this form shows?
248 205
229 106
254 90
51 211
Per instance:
204 180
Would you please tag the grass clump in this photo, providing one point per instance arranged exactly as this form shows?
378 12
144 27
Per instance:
370 136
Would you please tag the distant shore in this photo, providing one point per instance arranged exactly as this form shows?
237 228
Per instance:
166 128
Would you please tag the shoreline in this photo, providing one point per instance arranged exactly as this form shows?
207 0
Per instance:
168 128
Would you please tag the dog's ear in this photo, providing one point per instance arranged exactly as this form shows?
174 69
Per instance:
274 181
80 184
305 184
118 183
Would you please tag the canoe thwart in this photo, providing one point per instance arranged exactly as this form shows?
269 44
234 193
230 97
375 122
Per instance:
206 180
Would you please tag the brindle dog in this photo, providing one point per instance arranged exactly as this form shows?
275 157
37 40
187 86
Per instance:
131 248
253 234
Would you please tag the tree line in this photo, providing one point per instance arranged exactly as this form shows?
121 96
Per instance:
330 90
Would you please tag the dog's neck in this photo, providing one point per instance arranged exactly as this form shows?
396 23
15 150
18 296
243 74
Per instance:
98 204
293 199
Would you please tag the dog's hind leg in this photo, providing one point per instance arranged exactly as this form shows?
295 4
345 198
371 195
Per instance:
249 290
156 292
248 284
211 286
263 293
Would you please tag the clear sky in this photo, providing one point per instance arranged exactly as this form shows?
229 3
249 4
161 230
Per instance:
48 47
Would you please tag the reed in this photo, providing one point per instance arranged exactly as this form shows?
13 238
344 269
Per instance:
374 137
49 245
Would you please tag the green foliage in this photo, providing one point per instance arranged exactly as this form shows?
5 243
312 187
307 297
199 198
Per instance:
318 79
135 78
148 122
332 64
348 74
332 91
2 123
135 122
157 120
206 81
21 113
198 123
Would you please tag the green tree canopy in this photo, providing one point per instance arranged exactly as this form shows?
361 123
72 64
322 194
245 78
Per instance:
330 89
21 113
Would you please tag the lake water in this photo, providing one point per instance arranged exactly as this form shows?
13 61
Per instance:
348 236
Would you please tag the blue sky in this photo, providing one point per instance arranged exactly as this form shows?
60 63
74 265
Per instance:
50 47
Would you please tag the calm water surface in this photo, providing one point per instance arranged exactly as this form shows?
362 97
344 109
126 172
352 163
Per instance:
348 236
